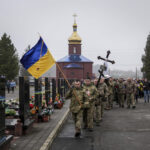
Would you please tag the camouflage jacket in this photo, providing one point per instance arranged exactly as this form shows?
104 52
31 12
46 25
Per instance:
98 99
136 88
121 88
130 88
90 93
111 88
75 105
103 90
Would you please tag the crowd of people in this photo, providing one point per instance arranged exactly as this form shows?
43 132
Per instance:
88 101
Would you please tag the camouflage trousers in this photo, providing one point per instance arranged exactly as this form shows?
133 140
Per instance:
110 101
88 114
77 118
97 113
121 99
130 100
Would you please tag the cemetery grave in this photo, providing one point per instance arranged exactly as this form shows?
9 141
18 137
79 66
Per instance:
4 139
20 114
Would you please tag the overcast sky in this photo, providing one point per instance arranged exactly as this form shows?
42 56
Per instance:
121 26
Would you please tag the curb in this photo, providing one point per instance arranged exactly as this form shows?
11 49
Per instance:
47 144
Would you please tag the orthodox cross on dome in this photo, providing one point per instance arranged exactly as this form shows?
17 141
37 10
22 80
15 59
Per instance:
74 15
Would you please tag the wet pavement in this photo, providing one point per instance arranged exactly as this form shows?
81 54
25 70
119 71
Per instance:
39 133
121 129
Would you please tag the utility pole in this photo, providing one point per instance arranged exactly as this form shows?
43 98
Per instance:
136 74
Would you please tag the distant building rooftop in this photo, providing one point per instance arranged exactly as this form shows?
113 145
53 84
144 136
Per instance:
74 58
73 65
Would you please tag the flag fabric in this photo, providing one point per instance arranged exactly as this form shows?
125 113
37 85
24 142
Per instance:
38 59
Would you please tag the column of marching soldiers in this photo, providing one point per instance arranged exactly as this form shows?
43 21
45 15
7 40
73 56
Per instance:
94 100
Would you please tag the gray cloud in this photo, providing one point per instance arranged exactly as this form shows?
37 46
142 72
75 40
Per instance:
119 25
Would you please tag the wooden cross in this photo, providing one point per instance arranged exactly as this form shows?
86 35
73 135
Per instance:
103 67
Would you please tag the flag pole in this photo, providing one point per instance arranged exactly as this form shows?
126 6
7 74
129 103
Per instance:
68 83
62 74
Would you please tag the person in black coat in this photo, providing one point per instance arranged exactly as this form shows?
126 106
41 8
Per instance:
146 89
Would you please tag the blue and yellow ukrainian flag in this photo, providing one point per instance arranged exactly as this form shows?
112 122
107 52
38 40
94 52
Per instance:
38 60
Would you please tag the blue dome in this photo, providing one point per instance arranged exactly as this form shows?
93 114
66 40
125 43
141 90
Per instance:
74 58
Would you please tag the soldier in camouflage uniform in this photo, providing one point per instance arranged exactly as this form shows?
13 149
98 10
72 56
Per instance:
75 107
107 102
130 92
116 82
97 111
103 93
121 92
111 93
89 104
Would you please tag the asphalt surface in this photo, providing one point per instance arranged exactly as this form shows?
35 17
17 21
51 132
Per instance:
121 129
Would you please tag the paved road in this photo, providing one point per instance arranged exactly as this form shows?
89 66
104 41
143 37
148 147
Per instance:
122 129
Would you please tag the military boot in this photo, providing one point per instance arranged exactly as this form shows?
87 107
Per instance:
78 133
133 107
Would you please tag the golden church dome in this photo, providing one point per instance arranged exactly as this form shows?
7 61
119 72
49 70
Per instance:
74 38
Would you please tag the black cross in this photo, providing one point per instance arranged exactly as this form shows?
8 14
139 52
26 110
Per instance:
103 67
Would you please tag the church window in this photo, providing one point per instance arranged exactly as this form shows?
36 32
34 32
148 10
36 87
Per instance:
74 50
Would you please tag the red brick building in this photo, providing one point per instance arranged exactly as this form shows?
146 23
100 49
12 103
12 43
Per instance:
75 65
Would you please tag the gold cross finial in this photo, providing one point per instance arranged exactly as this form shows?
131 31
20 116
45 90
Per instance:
75 15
